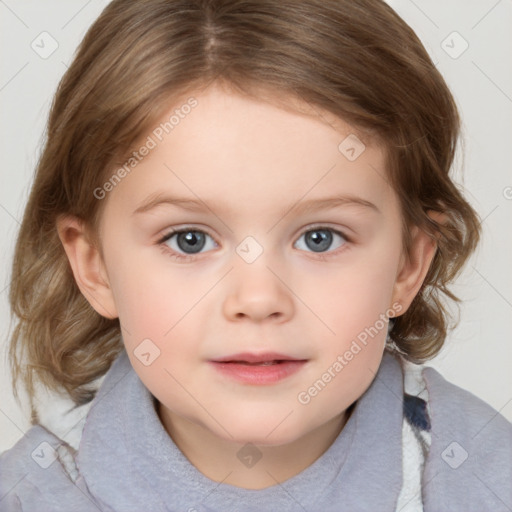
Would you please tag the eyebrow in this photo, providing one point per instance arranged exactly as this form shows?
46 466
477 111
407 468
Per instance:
198 205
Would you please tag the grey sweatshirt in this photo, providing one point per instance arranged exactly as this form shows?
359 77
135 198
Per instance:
127 462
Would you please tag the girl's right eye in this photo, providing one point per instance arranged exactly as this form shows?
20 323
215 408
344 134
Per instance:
187 241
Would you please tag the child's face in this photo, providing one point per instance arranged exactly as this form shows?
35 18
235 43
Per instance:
256 285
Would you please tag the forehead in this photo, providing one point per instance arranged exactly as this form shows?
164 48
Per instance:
245 151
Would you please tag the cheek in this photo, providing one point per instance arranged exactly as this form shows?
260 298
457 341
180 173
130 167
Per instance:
349 357
355 304
353 295
151 296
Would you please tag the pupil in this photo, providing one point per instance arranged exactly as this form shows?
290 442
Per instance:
194 239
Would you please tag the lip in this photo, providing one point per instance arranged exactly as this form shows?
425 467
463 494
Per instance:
251 357
258 369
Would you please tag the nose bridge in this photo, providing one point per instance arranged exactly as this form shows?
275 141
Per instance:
255 288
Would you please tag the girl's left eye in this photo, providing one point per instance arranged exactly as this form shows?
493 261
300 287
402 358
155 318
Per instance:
193 241
320 239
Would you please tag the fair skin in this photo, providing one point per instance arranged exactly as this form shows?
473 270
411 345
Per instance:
253 165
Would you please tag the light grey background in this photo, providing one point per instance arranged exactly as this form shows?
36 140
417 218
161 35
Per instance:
478 353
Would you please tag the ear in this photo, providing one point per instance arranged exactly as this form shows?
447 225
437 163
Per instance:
87 265
413 269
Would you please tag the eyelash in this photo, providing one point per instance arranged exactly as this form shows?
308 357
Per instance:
187 257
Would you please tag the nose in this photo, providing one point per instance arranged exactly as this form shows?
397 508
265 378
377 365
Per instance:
257 293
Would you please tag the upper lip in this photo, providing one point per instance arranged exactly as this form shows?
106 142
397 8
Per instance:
249 357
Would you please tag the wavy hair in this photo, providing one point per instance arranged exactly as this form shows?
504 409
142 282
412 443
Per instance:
354 58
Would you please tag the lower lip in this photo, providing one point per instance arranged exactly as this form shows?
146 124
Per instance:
259 374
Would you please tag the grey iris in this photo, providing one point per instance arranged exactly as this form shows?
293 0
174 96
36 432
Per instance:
194 239
318 240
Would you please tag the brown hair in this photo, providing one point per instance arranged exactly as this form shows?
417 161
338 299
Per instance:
354 58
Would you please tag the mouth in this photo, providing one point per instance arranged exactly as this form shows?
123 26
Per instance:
258 369
252 358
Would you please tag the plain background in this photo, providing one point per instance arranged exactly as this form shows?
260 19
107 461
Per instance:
478 353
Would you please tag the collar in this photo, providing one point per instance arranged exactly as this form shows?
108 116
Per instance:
126 457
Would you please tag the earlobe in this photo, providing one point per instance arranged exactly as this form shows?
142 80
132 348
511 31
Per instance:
87 265
413 269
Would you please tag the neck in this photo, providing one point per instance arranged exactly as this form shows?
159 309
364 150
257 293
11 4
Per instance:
230 463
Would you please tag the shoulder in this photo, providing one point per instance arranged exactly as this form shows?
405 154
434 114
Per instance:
35 474
470 457
464 413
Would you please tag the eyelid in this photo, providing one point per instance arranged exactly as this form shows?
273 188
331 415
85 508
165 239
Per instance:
325 225
185 229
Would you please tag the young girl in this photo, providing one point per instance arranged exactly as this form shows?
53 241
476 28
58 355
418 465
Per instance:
302 150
